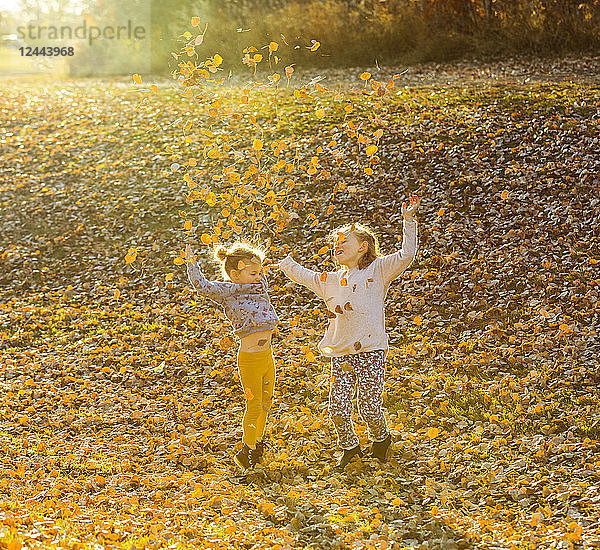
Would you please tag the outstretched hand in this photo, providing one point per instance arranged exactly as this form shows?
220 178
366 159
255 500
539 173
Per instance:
408 211
189 254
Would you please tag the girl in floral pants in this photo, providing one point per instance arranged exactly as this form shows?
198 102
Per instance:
356 339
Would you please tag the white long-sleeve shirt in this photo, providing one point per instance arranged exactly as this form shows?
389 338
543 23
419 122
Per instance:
355 297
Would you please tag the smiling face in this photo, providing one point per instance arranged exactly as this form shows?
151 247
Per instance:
348 250
248 273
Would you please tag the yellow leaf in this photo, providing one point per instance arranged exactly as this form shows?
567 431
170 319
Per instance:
257 58
371 150
257 145
13 545
137 78
187 225
225 343
504 195
154 88
417 320
365 76
323 250
273 46
315 46
116 294
433 432
320 113
195 21
441 211
131 255
168 277
378 133
536 519
178 261
206 238
217 60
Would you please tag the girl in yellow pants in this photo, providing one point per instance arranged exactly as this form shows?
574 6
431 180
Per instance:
247 305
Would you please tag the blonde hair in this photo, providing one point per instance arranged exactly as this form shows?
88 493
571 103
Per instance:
242 251
362 233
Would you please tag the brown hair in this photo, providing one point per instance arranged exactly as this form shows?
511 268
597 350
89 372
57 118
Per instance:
230 258
362 234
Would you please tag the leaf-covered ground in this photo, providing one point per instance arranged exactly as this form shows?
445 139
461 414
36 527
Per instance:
120 405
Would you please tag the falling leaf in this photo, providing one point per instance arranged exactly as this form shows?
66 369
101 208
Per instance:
137 78
315 46
131 256
432 432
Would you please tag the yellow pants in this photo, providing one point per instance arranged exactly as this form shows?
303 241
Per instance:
257 373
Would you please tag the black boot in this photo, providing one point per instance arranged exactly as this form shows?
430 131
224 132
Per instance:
380 449
348 455
245 458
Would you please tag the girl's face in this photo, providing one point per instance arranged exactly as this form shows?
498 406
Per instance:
348 250
249 272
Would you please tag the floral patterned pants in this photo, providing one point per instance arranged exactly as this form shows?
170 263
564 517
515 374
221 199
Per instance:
365 370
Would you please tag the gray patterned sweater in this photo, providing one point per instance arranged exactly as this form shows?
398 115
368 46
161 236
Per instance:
247 306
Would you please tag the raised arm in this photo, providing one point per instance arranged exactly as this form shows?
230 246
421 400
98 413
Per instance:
215 290
301 275
393 265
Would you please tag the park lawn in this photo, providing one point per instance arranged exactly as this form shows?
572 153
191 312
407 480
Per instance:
121 405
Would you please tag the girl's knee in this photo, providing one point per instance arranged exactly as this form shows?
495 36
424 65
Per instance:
253 409
370 408
339 416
